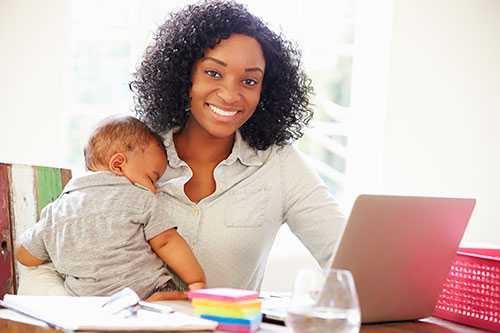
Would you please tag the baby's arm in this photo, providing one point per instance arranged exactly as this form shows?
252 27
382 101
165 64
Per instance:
175 252
26 258
30 248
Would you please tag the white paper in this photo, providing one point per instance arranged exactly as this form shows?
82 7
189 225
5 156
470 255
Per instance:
14 316
86 313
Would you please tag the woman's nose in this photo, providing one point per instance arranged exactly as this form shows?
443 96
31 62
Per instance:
229 92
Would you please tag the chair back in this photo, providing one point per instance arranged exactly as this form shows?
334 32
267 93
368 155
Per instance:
24 191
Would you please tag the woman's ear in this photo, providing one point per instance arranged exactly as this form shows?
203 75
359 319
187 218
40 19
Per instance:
117 163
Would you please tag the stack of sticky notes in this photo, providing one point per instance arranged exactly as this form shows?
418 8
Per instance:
236 310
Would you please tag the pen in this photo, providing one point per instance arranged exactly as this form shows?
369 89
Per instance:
155 308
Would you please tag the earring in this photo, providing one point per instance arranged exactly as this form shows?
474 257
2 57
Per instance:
260 106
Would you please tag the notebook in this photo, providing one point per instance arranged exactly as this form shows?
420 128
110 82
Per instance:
399 250
88 314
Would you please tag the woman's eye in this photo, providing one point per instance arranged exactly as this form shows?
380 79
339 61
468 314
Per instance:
213 74
249 82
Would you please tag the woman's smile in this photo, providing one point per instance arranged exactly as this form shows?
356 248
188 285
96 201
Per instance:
224 114
221 112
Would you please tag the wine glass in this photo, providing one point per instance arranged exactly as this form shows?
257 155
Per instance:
324 301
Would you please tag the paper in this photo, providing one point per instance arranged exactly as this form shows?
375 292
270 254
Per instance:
14 316
86 313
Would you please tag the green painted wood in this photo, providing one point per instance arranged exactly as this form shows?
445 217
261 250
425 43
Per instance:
48 185
6 256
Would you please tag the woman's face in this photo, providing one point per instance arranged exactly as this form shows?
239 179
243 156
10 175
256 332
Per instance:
226 86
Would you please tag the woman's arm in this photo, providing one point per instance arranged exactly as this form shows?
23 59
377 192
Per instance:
309 209
175 252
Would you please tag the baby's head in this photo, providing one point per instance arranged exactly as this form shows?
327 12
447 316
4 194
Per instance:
127 147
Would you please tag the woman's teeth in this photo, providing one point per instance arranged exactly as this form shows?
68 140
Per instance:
221 112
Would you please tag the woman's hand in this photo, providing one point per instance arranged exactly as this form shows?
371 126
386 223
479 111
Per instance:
167 296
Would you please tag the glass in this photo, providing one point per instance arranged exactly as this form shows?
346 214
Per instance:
324 301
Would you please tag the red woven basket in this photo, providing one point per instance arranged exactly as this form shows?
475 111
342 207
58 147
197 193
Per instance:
471 293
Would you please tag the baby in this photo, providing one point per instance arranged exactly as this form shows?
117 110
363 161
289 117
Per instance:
109 229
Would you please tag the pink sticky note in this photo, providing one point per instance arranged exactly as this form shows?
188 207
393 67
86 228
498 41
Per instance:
237 328
224 294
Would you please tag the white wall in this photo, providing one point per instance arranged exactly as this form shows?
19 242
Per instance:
369 97
32 38
442 127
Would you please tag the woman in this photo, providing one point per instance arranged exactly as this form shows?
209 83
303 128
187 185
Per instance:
229 96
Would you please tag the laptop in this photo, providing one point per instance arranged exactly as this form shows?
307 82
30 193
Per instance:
399 250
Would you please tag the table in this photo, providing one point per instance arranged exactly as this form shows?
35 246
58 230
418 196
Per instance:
427 325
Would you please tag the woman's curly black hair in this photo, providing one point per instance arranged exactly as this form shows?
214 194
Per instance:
163 79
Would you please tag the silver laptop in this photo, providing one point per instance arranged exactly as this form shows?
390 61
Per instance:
399 250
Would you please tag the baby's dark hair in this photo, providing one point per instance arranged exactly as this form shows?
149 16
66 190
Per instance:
116 134
163 79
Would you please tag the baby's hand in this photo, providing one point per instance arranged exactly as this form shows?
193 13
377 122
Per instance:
196 285
167 296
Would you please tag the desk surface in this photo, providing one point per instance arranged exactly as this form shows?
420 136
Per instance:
8 326
428 325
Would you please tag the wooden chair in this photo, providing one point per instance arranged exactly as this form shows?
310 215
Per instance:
24 191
